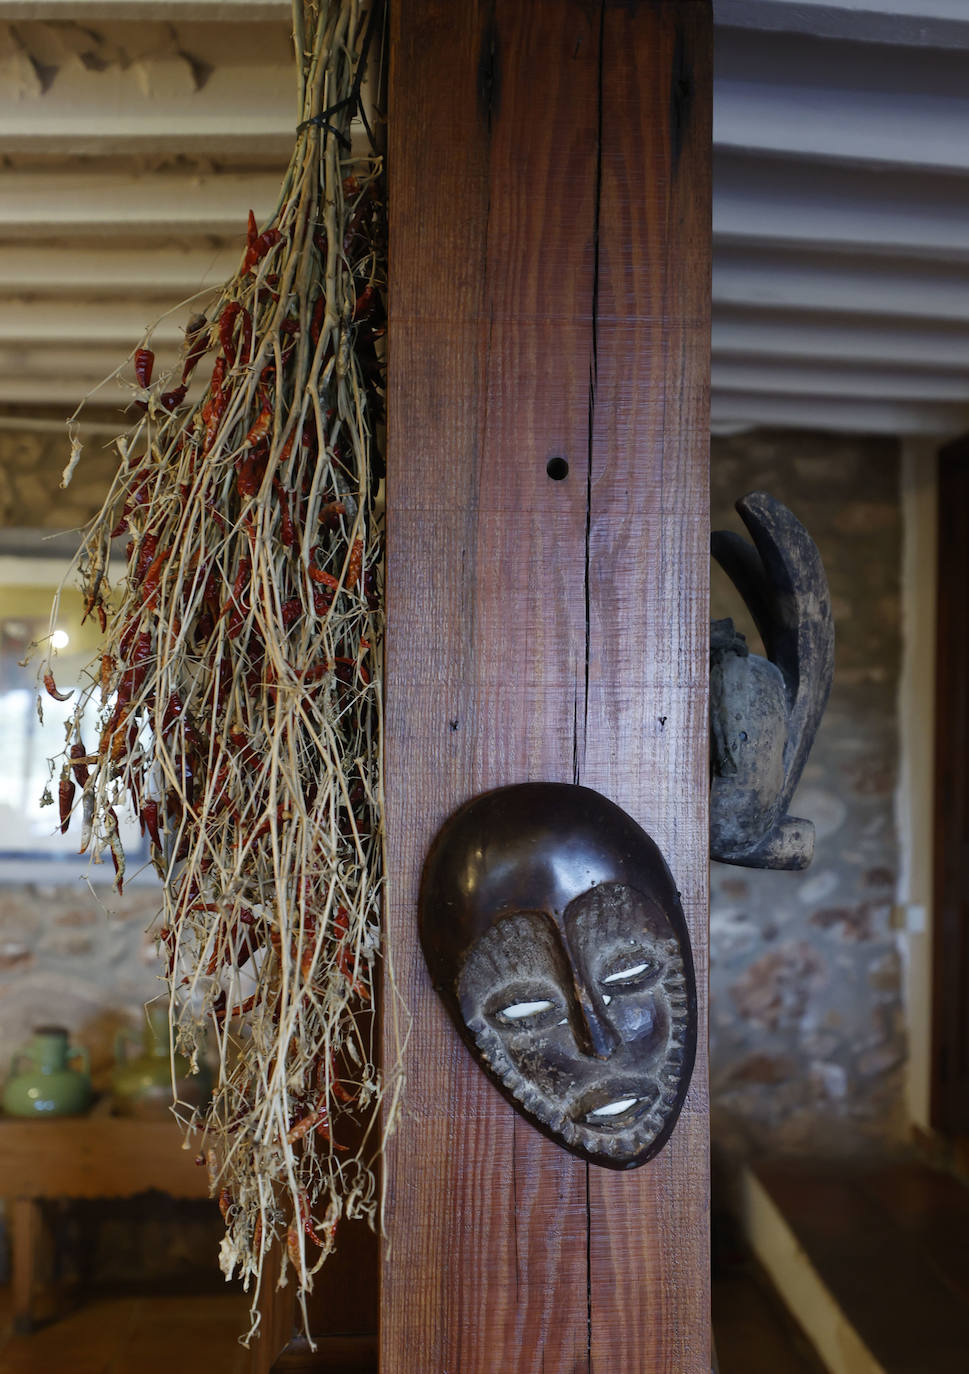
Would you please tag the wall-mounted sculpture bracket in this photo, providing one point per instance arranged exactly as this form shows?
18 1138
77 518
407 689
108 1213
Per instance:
554 934
764 712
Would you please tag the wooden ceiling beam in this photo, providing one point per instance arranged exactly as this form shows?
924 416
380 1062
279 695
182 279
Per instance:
829 338
912 23
170 272
58 203
731 411
862 383
817 205
799 96
176 11
784 279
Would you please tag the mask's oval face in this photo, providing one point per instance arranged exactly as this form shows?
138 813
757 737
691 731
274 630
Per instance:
578 1000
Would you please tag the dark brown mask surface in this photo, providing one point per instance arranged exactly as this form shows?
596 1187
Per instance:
553 931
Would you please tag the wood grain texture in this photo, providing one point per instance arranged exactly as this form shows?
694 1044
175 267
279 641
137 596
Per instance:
549 297
950 998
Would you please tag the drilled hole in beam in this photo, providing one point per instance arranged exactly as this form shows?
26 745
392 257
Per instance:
557 469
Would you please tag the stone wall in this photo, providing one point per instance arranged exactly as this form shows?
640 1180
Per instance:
807 1031
31 464
73 959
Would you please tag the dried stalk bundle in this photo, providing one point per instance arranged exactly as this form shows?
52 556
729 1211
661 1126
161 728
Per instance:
238 693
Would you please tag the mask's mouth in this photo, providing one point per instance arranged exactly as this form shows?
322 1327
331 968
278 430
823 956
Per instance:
615 1105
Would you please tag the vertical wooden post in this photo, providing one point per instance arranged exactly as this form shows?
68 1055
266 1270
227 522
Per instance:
549 193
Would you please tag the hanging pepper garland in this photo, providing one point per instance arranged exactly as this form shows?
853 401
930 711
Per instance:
237 696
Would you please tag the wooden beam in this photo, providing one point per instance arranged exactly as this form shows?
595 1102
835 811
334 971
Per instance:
549 298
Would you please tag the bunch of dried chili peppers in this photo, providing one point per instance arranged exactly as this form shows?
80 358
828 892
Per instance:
238 691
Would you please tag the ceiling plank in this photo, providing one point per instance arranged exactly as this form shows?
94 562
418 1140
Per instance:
733 411
785 279
141 91
818 205
171 271
763 334
84 323
52 203
914 23
805 97
84 11
853 383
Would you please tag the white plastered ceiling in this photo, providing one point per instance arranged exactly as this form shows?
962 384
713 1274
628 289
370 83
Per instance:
136 134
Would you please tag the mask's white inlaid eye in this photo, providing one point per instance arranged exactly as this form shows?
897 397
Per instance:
520 1010
614 1108
622 974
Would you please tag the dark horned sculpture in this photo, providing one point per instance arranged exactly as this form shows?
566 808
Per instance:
764 712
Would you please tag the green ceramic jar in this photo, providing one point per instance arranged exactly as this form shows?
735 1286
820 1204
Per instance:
142 1086
43 1082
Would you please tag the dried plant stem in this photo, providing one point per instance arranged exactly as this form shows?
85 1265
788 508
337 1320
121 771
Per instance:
238 695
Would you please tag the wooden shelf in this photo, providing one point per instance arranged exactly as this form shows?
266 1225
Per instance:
96 1156
82 1157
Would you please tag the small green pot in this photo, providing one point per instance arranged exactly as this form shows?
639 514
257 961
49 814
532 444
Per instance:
142 1086
42 1082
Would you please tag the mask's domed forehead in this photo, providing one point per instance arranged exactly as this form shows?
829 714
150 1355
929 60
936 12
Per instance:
532 847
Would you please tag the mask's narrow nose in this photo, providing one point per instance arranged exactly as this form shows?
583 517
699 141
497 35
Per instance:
598 1033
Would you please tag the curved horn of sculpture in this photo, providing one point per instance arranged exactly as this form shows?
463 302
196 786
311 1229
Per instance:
765 712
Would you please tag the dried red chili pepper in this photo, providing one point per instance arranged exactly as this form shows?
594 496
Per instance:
51 687
366 303
171 400
330 514
355 563
139 662
252 230
65 800
144 362
212 413
79 763
149 814
146 553
249 474
196 341
318 575
153 575
287 530
259 247
227 325
316 322
261 425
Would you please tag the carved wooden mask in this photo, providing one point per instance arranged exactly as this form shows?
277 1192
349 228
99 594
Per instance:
553 931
